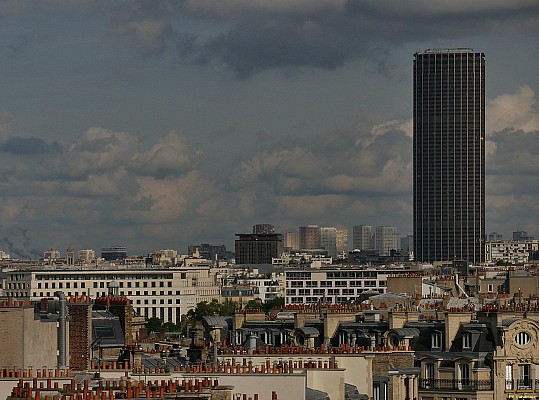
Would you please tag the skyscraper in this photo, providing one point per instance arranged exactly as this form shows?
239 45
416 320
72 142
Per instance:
449 155
361 237
328 240
385 239
309 237
342 241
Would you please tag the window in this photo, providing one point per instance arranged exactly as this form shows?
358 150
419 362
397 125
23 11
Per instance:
509 377
379 390
428 373
524 377
490 288
436 340
463 375
522 338
466 341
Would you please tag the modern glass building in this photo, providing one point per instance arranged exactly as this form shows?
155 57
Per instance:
449 155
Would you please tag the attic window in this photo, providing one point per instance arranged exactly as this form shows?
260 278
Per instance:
436 340
466 341
522 338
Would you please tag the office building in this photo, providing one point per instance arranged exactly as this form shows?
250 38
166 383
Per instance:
407 243
493 236
522 235
385 240
449 155
258 249
309 237
334 285
361 237
210 251
291 241
328 240
114 253
342 242
155 292
263 229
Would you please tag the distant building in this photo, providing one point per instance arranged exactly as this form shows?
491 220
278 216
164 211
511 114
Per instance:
309 237
257 249
492 236
4 255
328 240
511 251
522 235
342 241
210 251
361 237
407 243
86 255
385 239
263 229
114 253
51 255
291 241
334 285
155 292
70 256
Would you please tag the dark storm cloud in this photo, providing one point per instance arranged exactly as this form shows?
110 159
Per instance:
28 146
517 152
257 36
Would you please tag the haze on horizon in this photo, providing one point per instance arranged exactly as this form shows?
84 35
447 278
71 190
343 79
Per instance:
156 124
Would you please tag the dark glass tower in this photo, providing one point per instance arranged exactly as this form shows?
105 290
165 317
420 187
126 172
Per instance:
449 155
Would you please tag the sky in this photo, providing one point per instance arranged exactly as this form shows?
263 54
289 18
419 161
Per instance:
158 124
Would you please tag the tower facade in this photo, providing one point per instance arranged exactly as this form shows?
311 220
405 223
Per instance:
328 240
449 155
309 237
385 239
361 237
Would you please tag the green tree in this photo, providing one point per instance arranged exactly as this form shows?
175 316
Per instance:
204 309
255 305
172 327
154 325
276 302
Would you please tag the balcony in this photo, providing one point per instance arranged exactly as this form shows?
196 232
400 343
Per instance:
455 384
522 384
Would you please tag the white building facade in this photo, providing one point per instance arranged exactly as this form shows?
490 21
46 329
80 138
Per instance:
162 293
334 285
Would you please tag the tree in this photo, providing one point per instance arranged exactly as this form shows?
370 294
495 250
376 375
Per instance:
276 302
171 327
204 309
154 324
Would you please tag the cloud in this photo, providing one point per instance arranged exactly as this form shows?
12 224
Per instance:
27 146
149 36
515 111
170 156
248 37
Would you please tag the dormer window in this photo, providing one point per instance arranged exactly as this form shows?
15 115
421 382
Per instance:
436 340
466 341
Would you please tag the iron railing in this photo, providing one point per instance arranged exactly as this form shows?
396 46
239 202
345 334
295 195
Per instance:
455 384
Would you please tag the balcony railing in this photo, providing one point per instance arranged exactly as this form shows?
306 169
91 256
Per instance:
455 384
522 384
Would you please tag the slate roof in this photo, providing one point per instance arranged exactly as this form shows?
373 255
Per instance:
312 394
217 320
